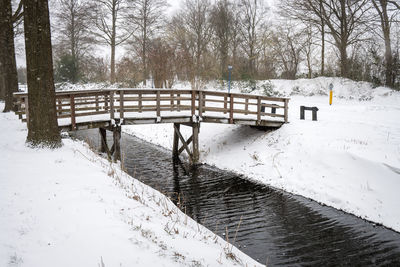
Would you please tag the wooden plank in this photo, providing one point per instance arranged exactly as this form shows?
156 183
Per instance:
225 104
79 109
140 102
195 143
83 114
272 115
72 103
158 104
106 100
81 103
246 106
200 103
172 101
286 110
117 144
112 105
193 102
97 103
183 142
175 152
59 107
188 143
231 109
258 109
178 102
215 100
121 104
271 105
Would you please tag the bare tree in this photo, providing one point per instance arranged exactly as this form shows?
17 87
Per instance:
308 48
42 120
300 11
253 26
191 32
346 21
109 19
222 19
387 17
146 17
288 46
161 62
74 37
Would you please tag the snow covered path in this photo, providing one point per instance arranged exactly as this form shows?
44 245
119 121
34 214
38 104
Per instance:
69 207
349 159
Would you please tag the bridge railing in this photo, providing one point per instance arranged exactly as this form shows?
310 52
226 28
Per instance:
72 106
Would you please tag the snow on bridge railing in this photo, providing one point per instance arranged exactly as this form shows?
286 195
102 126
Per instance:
130 103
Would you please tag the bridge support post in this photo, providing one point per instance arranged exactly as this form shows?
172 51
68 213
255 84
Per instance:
116 147
104 146
117 144
195 143
193 154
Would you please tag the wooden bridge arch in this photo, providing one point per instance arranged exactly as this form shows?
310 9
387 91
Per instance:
111 108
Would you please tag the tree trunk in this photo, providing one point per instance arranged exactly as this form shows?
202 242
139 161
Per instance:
8 67
113 42
144 54
112 73
343 60
322 41
42 124
322 49
389 73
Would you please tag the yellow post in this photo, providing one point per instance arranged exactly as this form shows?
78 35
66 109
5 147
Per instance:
330 94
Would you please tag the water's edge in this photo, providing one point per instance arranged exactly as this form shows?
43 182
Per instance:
275 226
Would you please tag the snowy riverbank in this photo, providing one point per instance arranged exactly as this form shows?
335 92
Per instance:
69 207
349 159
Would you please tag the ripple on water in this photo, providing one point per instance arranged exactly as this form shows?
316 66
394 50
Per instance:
276 227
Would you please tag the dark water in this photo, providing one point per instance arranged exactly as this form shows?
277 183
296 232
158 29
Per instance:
276 228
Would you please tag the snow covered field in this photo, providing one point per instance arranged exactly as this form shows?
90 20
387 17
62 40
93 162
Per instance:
69 207
349 159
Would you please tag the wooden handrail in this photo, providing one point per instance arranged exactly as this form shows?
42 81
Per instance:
120 102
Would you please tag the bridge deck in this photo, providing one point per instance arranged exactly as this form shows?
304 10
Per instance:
103 108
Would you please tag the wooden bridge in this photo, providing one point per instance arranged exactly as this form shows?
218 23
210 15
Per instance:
110 109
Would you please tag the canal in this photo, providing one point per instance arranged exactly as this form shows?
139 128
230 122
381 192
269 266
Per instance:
276 227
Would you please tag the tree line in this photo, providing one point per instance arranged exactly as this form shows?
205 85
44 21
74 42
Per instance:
358 39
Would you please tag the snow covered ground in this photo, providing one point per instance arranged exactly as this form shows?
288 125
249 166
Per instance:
69 207
349 159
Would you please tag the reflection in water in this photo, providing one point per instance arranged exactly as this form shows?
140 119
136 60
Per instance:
276 227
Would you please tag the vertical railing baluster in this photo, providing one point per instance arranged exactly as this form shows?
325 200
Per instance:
97 102
200 103
121 104
158 104
225 104
111 105
178 102
286 109
140 102
72 108
231 109
193 107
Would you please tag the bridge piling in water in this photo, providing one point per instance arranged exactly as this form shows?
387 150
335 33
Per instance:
116 147
193 154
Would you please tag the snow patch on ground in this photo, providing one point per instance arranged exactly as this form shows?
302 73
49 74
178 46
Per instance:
349 159
69 207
